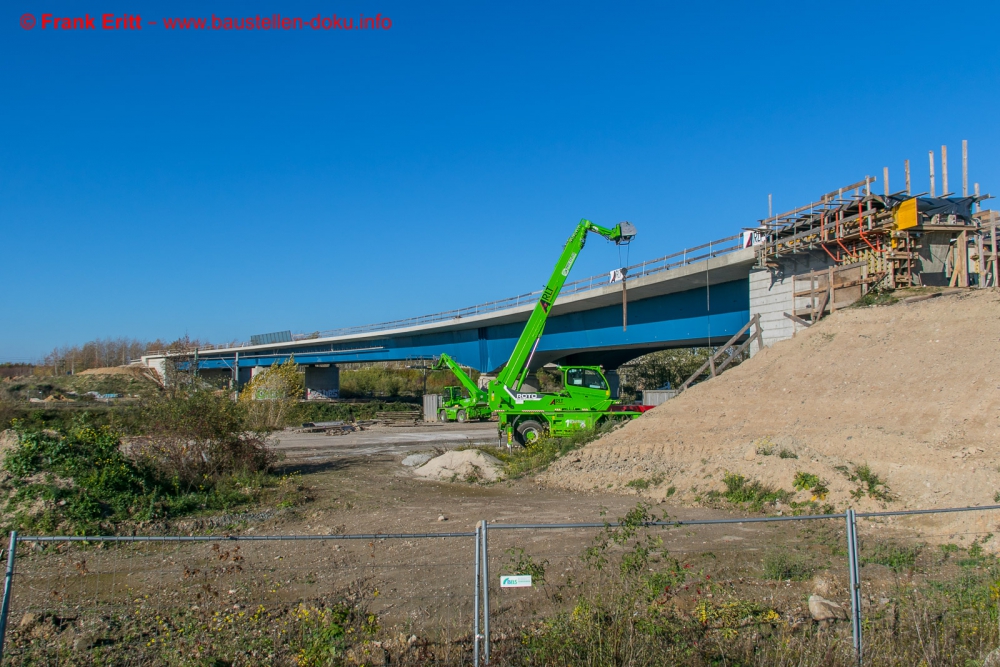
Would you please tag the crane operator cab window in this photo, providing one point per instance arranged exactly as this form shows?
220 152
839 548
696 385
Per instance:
586 378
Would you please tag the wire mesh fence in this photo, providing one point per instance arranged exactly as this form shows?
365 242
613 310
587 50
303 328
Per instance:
831 589
272 600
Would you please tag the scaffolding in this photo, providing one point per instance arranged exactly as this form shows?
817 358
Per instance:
852 226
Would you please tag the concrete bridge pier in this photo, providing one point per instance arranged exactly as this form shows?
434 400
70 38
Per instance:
322 381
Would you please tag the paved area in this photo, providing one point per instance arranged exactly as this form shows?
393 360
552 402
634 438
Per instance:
384 440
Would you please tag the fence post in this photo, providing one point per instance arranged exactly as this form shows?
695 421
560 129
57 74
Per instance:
475 614
486 592
7 582
855 586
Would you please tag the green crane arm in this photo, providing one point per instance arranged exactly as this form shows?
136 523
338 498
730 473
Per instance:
516 370
444 361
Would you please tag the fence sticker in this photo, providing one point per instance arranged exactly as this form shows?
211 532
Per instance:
515 581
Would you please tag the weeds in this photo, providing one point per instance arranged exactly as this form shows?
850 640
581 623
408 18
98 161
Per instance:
895 556
641 484
787 454
764 446
869 484
784 566
540 454
752 494
879 296
805 481
520 563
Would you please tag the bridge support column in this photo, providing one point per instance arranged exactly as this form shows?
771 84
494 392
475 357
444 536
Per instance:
322 381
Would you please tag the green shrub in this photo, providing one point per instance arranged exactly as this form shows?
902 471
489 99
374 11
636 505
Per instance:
196 438
82 480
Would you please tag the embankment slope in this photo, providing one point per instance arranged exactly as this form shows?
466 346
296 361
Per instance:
912 390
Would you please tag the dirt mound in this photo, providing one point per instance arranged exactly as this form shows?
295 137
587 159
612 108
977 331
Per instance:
911 390
462 465
133 370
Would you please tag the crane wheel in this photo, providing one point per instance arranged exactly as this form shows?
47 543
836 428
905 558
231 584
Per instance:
528 432
460 417
443 416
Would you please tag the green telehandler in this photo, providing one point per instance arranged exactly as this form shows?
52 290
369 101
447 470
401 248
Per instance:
456 406
584 402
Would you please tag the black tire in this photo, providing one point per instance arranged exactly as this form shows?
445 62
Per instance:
460 416
442 415
529 431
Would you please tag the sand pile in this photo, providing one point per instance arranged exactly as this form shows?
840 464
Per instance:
461 466
912 390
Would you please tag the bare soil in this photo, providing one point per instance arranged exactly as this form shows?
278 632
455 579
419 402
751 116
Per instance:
909 389
417 587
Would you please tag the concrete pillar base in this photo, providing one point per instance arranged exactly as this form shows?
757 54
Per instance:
322 382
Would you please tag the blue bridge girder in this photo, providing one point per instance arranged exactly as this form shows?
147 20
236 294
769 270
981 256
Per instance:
699 304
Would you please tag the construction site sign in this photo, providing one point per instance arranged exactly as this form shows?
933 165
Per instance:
515 581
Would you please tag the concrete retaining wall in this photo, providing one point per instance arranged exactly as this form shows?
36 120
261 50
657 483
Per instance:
771 294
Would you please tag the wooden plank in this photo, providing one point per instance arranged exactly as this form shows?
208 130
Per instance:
822 305
798 320
711 359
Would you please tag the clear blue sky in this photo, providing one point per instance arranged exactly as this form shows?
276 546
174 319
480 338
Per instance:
155 183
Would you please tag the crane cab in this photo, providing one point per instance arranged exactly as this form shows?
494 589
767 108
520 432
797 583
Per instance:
585 382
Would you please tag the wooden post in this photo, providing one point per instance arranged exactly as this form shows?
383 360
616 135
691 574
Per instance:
930 158
965 167
960 265
833 294
812 295
993 239
906 168
885 180
944 171
769 213
981 261
976 186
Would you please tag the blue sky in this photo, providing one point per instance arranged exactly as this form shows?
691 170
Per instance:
155 183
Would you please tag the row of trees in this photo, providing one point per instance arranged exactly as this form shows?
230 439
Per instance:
104 352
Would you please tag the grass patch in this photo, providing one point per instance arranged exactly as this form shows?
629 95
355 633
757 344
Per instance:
752 494
641 484
784 566
787 454
895 556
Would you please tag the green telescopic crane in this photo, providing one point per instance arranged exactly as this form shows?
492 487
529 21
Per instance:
455 406
585 398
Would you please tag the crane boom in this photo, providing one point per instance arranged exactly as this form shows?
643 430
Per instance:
518 366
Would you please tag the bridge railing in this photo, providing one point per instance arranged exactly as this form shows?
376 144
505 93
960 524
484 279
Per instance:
672 261
636 271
